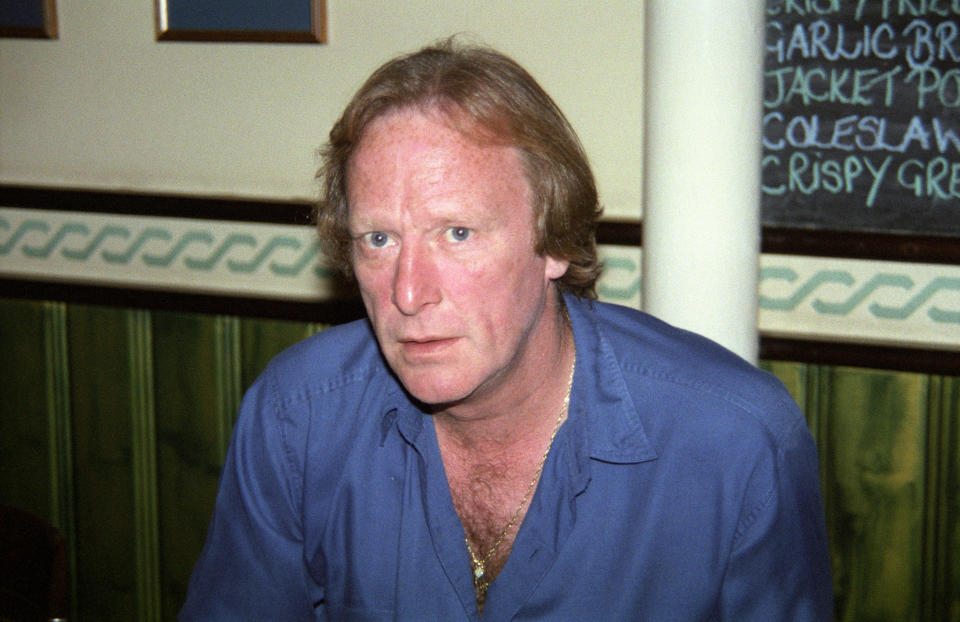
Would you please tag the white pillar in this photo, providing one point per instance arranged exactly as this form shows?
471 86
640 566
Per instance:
702 141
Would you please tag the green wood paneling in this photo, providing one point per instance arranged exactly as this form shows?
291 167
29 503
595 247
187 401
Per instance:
944 548
114 423
100 395
874 442
60 426
36 465
144 455
24 425
190 419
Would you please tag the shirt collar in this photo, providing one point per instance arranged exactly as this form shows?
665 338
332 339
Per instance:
600 399
399 410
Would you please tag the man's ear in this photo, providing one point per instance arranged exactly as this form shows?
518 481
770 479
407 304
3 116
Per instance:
556 268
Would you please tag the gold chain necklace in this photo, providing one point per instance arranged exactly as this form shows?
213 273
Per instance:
480 580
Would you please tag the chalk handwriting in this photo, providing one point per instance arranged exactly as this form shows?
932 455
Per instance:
862 101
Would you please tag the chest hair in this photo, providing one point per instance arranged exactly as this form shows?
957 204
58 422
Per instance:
486 494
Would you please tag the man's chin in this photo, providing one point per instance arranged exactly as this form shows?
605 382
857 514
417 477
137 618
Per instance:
433 396
436 402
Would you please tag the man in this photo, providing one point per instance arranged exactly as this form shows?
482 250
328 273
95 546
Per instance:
491 442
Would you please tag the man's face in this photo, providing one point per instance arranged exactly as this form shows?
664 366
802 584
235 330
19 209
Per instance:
443 244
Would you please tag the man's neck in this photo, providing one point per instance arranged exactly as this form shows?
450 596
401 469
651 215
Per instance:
493 460
517 413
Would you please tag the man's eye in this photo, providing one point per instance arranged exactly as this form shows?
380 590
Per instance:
459 234
376 239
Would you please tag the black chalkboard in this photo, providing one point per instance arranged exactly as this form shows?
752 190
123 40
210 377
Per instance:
862 116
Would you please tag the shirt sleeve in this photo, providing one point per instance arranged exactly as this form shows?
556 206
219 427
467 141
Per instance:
779 565
251 566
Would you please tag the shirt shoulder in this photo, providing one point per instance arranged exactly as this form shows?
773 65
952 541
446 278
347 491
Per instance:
322 389
311 404
684 368
326 362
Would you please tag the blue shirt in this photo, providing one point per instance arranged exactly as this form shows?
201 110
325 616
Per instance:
683 486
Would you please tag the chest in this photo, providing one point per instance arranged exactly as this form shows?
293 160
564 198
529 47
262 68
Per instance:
491 489
385 543
492 499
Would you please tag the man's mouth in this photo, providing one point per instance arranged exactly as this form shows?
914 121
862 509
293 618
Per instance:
426 346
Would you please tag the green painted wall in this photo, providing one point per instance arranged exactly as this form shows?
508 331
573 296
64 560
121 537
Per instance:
114 423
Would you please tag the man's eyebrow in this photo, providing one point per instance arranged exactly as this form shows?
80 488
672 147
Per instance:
359 230
359 222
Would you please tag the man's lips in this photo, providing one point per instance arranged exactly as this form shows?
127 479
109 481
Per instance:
423 346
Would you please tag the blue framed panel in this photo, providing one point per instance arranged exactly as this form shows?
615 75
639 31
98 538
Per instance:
285 21
34 19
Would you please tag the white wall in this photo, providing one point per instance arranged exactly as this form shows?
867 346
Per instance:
106 106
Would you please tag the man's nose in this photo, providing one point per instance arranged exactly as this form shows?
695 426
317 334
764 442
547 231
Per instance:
415 283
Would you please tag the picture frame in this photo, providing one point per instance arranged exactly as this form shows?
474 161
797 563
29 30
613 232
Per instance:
256 21
28 19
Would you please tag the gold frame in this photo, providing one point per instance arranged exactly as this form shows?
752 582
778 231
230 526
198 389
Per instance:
314 32
47 31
